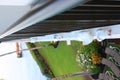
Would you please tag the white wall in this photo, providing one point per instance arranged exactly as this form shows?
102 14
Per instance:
10 14
16 2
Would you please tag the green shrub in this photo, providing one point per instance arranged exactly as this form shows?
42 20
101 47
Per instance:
43 67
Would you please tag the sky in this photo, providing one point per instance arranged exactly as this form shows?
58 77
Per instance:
13 68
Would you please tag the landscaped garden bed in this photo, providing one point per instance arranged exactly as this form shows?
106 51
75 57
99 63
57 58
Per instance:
89 57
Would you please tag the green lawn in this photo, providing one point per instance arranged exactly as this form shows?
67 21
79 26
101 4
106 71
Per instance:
61 60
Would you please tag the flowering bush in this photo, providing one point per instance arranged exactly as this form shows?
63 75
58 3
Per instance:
96 58
89 56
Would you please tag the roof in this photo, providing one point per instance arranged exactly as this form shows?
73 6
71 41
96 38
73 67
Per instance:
95 13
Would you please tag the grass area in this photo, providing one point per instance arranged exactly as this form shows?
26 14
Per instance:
61 60
89 56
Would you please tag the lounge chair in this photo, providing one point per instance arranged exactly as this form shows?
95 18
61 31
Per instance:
113 67
113 53
103 76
